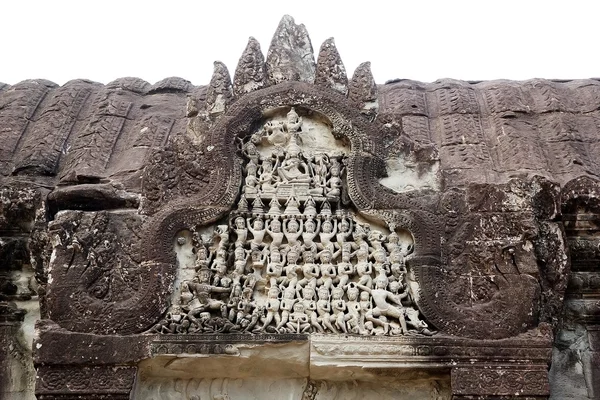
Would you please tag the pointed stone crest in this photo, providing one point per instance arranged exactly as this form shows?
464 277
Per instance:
290 56
219 91
331 72
363 90
250 73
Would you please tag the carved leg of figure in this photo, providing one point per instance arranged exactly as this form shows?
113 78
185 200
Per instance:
366 280
284 319
326 321
343 280
192 315
314 322
268 319
340 321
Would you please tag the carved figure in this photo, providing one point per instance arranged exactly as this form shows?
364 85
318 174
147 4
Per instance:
274 230
334 185
328 270
293 169
310 307
286 306
327 233
310 232
258 230
292 231
267 180
298 321
202 289
275 268
240 230
324 309
384 301
294 121
272 308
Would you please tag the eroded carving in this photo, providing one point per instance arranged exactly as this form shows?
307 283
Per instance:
292 258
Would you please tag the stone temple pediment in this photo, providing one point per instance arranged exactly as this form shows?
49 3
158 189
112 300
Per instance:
292 231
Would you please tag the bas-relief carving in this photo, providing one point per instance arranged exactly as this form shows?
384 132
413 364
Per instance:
296 389
289 229
292 257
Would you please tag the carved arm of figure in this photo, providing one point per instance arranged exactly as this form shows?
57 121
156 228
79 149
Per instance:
364 288
216 289
249 224
318 224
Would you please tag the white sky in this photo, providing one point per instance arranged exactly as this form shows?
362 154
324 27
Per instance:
419 39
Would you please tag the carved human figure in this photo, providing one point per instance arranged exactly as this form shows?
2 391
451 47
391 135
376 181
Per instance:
259 259
250 150
293 169
274 230
241 256
328 270
268 181
298 320
324 309
318 167
202 290
393 240
203 257
310 307
241 232
272 308
309 269
398 266
257 313
292 231
293 122
381 265
232 304
345 268
384 301
355 318
258 230
244 308
365 302
328 231
186 294
292 267
338 307
251 180
310 232
275 268
345 230
364 267
286 306
219 267
223 233
334 185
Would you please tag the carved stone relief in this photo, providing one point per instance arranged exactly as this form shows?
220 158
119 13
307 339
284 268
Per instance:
292 257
